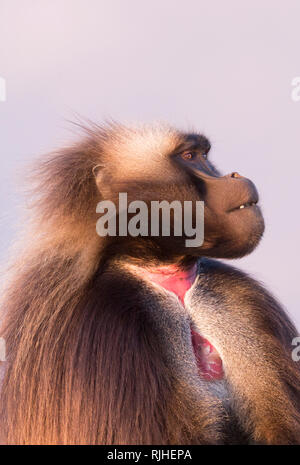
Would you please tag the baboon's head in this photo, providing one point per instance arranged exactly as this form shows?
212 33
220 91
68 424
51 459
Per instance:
163 164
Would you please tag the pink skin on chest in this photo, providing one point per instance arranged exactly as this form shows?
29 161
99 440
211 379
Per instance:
179 282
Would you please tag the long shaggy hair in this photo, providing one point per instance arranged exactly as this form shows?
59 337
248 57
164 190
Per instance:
70 363
97 356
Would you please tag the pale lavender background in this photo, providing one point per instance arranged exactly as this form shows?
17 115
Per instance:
224 67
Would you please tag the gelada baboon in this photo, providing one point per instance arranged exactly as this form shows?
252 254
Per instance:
143 340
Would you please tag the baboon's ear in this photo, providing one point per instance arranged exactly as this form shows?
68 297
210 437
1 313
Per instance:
96 170
101 178
99 172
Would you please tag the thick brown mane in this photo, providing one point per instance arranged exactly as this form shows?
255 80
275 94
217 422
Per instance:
49 280
64 348
99 354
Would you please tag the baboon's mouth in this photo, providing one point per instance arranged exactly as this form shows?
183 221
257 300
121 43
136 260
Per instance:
244 205
208 360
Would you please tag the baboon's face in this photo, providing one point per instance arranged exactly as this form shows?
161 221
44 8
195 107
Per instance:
164 164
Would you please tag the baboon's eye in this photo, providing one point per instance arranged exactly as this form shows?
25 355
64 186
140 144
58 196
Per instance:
189 155
205 156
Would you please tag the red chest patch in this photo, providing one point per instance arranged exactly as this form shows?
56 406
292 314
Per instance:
179 282
172 279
